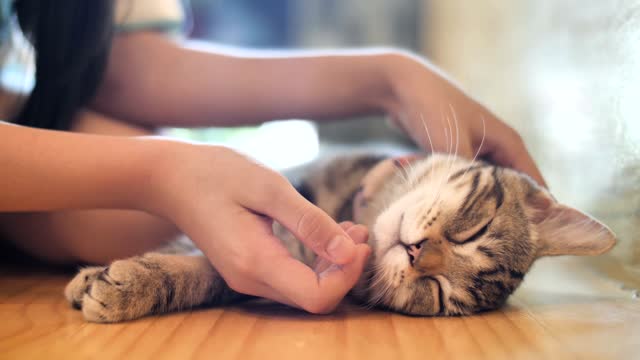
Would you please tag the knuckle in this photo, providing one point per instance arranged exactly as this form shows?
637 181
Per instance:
236 284
317 304
244 265
319 307
240 284
280 180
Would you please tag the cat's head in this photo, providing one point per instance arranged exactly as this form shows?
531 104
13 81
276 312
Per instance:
453 237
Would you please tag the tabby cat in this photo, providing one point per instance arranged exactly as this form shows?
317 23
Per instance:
449 237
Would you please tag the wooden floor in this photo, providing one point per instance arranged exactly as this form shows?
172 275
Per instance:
565 310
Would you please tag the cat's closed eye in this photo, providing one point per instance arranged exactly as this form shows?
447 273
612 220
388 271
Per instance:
471 235
479 233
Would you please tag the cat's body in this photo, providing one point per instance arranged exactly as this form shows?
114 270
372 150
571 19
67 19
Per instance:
449 237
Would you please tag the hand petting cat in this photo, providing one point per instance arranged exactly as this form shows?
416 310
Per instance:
440 117
227 203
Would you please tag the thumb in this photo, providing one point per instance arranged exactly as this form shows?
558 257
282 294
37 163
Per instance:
309 224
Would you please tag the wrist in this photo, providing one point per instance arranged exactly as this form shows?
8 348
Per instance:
401 72
180 176
413 80
158 172
383 97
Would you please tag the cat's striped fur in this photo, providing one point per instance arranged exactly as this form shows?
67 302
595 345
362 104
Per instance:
449 237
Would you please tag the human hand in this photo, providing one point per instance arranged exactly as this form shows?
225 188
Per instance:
359 234
439 116
226 203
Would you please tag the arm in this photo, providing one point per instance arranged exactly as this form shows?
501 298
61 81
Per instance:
154 81
46 170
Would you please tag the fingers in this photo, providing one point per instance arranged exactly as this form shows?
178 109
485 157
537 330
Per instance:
260 265
275 275
346 225
524 163
359 233
503 145
509 150
309 224
316 293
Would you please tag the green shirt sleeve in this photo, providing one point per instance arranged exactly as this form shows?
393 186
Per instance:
156 15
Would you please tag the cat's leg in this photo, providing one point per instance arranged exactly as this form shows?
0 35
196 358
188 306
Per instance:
145 285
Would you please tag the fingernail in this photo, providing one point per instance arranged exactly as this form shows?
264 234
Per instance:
341 249
359 233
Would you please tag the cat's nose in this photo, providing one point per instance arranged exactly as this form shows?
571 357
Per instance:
427 256
414 250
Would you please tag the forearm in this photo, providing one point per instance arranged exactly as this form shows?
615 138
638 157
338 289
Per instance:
153 81
46 170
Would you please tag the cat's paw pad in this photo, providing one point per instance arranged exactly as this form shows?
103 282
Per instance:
75 290
127 289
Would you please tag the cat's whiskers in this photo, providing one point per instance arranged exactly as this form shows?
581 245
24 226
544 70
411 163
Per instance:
404 173
380 274
455 155
449 137
451 160
435 193
410 173
479 148
433 166
377 292
384 293
378 279
375 268
426 129
380 285
376 299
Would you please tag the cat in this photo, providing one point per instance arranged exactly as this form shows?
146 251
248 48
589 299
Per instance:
449 237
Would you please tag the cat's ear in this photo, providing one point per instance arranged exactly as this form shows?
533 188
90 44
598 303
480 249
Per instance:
563 230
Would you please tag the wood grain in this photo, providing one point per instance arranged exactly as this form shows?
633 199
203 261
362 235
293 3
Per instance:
575 317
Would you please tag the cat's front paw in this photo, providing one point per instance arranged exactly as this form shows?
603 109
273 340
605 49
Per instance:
126 290
78 286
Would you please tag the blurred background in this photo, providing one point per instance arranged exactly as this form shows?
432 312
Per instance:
565 73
